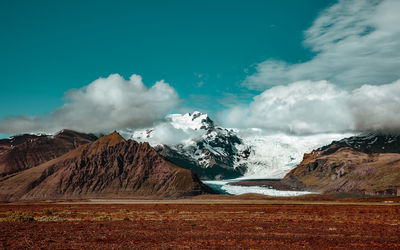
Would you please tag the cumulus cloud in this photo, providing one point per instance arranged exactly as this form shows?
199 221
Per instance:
103 105
308 107
165 133
356 42
376 108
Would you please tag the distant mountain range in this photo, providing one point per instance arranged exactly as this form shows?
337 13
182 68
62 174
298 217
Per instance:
25 151
73 165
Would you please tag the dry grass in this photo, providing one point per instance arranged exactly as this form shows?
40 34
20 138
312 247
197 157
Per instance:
200 226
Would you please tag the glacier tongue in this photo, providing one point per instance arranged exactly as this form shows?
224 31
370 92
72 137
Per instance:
237 190
272 156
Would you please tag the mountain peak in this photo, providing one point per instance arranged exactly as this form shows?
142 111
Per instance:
207 149
111 139
106 141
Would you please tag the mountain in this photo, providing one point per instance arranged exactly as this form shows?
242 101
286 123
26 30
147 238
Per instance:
193 141
366 164
109 167
25 151
7 144
367 143
211 151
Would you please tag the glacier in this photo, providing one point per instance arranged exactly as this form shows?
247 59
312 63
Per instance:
237 190
251 153
274 155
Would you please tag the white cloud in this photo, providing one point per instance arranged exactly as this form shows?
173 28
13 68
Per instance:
356 42
165 133
376 108
103 105
308 107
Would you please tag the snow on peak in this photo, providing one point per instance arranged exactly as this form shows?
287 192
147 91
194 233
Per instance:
177 129
196 138
194 121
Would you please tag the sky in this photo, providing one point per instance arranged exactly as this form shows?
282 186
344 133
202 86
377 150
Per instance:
298 67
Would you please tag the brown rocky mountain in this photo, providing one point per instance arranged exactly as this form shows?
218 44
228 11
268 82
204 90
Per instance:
366 164
110 167
26 151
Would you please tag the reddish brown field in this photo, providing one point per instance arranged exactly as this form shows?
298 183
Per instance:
223 226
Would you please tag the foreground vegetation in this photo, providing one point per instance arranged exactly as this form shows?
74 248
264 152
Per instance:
243 224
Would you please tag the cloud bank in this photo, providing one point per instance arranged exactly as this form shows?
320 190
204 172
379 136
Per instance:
350 85
103 105
164 133
356 42
308 107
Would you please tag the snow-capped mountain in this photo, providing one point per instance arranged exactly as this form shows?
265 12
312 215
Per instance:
213 152
194 142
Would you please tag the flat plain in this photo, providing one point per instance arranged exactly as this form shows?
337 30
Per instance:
201 223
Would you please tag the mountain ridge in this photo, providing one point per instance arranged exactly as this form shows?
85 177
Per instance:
367 164
26 151
110 167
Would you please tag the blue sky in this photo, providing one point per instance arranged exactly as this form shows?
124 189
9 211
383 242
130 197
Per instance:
299 67
49 47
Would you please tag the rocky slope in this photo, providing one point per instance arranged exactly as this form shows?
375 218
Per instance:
25 151
108 168
367 164
212 152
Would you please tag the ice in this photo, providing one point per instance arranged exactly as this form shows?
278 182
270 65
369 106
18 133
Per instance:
272 156
237 190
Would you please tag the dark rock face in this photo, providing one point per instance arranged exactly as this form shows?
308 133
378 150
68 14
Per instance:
214 153
216 167
217 154
366 164
367 143
26 151
212 157
108 168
